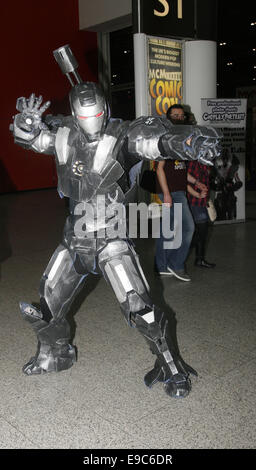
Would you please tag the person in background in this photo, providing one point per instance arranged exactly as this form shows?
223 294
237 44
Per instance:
198 204
172 178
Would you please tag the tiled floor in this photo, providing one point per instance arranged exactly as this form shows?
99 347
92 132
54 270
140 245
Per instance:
102 402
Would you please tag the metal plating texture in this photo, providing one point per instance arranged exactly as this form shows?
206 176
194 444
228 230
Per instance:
192 143
54 352
28 125
89 108
60 282
67 62
169 368
94 157
104 211
120 269
143 137
85 168
156 139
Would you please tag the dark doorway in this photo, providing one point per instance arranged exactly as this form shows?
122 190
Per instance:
122 74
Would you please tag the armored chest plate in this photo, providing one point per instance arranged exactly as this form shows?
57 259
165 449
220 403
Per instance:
85 168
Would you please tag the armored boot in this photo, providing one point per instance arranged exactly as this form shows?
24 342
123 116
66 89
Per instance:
169 368
54 353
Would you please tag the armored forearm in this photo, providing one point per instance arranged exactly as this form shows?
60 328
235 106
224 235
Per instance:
157 139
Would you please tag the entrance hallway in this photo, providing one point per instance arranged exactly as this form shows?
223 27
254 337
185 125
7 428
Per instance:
102 402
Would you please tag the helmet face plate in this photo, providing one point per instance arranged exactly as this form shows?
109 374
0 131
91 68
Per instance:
89 109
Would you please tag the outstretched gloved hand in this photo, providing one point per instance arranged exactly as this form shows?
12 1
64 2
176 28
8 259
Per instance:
204 144
31 111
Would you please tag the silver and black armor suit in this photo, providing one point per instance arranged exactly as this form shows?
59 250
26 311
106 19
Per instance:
93 157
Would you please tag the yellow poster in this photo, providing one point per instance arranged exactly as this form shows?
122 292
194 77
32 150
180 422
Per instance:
164 75
164 78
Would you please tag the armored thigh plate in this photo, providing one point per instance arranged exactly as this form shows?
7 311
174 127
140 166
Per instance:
121 268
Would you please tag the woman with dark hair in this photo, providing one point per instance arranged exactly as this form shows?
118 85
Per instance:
198 205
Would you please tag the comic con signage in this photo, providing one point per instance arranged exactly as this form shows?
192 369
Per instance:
176 18
164 78
224 112
164 75
228 175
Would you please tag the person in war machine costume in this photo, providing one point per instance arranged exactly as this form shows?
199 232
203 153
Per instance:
225 180
94 155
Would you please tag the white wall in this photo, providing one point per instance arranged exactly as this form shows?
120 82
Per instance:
104 15
199 74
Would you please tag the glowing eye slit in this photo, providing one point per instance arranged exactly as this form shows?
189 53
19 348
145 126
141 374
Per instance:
87 117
